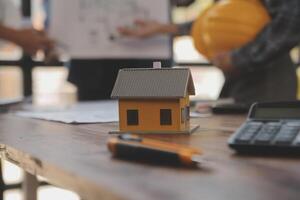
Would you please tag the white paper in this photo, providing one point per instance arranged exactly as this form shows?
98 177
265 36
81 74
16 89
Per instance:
84 28
200 115
4 102
81 113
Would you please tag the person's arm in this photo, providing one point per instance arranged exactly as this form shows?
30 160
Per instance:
29 39
7 33
277 38
145 29
184 28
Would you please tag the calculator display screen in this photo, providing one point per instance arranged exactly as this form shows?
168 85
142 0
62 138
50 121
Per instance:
277 113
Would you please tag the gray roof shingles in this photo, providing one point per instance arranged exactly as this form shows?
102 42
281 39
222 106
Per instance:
153 83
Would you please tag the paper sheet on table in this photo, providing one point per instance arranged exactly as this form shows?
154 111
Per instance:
194 114
7 102
88 28
81 113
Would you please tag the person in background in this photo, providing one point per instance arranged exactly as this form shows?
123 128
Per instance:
261 70
95 78
29 39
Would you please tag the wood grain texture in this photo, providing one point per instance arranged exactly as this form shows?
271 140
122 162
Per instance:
75 157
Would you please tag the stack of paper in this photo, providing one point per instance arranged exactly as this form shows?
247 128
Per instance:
81 113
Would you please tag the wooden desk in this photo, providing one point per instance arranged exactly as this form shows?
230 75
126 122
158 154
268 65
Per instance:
75 157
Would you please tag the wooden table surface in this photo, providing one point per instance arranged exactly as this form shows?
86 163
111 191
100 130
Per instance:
75 157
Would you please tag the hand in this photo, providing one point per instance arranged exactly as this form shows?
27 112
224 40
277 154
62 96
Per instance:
223 61
32 40
144 29
51 57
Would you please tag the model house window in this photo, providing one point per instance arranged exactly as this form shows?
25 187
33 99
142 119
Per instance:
132 117
187 113
165 117
183 115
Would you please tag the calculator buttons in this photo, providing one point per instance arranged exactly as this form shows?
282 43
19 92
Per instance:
286 135
293 124
297 141
248 132
267 133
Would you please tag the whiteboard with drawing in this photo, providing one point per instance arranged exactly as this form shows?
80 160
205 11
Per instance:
88 28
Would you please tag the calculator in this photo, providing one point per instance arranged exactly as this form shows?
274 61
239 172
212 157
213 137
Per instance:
271 128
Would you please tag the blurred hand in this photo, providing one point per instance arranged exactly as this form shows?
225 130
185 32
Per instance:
32 40
142 29
51 57
223 61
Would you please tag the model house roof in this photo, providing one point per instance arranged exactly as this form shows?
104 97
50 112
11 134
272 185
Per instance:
153 83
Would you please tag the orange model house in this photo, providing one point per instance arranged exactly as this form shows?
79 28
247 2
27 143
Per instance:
154 100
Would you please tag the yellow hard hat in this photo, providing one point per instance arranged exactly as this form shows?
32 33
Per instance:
227 25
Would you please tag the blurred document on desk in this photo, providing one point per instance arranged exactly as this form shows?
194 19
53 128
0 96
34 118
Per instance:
88 28
81 113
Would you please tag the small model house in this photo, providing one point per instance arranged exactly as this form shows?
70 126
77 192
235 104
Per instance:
154 100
